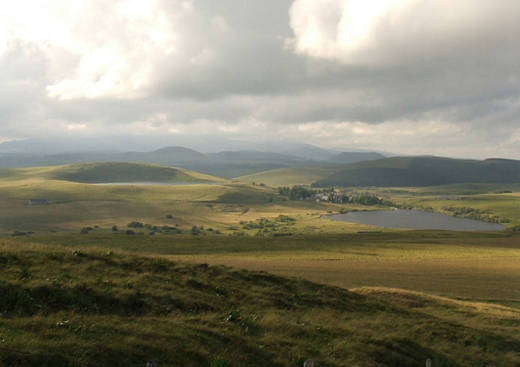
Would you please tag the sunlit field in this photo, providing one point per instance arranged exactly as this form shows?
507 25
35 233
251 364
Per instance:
98 265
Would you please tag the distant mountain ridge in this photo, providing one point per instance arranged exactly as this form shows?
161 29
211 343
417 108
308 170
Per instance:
340 169
354 157
226 164
309 151
423 171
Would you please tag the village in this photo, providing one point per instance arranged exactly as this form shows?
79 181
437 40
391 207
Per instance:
331 195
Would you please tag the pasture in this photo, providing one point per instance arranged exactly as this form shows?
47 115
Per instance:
253 227
458 265
77 306
107 266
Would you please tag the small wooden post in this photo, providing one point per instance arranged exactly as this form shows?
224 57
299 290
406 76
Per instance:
151 364
428 362
308 363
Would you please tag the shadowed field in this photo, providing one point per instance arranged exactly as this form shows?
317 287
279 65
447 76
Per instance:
461 265
63 307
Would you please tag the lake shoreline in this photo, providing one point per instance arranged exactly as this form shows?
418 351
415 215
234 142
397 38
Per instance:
414 219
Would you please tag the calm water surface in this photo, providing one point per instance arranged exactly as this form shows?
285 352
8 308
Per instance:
415 219
151 183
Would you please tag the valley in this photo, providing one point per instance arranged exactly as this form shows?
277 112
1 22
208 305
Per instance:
254 260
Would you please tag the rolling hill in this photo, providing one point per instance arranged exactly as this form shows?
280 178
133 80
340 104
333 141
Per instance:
355 157
290 176
226 164
311 152
78 307
423 171
110 172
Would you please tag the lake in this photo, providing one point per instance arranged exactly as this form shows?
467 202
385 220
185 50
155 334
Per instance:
414 219
151 183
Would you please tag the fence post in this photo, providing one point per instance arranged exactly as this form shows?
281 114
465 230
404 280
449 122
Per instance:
308 363
428 362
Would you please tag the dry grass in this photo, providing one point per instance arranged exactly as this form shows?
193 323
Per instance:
96 307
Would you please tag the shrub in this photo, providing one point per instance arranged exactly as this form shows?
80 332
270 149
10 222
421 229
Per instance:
233 316
282 234
25 274
135 225
285 218
297 192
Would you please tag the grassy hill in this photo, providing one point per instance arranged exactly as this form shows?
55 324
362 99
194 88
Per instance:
423 171
290 176
123 172
109 172
226 164
63 307
72 205
126 172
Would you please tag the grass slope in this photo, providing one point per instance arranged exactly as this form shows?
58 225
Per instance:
94 307
290 176
108 172
125 172
423 171
477 266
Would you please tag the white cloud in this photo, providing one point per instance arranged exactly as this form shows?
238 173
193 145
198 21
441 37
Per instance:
400 75
390 31
113 47
76 126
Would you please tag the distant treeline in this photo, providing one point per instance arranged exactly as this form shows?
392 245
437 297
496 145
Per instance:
297 192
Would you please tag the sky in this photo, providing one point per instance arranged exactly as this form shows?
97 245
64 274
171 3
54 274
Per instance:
405 76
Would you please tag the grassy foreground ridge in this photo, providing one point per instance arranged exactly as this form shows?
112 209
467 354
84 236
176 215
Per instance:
96 307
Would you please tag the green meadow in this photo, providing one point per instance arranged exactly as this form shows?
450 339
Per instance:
202 271
290 176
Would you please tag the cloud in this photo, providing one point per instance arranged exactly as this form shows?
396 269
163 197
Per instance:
106 49
401 75
383 32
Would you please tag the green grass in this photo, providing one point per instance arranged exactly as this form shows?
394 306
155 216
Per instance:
108 298
240 228
72 205
290 176
81 307
109 173
423 171
476 266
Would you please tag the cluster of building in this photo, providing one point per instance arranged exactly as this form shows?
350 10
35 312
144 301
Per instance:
332 196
